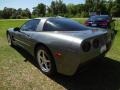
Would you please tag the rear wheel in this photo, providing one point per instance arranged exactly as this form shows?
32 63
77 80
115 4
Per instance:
45 61
9 40
102 56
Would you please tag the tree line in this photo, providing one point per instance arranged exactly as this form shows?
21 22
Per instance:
59 8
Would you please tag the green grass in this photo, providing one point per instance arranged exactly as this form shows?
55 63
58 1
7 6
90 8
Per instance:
115 50
20 75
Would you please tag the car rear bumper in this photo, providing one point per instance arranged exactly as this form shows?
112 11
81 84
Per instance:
71 61
100 26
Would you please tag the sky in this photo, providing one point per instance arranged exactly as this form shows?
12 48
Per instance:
31 3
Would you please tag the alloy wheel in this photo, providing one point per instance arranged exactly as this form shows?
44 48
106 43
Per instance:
9 39
43 61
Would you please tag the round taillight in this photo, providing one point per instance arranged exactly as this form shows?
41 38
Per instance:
95 43
86 46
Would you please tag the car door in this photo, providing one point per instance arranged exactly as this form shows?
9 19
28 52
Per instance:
24 36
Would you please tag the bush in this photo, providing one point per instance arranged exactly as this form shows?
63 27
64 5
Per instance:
19 17
84 14
78 15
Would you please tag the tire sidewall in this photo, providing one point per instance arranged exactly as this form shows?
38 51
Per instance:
102 56
9 39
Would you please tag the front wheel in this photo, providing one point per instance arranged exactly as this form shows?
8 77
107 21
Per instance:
102 56
9 40
45 61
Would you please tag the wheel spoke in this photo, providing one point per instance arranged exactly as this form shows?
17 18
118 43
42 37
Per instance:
46 66
43 60
39 58
47 61
43 55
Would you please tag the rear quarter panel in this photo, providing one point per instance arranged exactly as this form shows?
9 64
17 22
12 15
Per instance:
68 62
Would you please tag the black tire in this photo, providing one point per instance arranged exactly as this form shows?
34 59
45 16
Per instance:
101 57
49 56
10 42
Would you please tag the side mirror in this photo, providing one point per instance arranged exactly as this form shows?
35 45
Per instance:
16 29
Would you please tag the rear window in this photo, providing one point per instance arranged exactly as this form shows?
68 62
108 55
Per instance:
63 24
99 18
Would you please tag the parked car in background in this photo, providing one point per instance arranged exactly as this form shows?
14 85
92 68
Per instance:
60 44
101 21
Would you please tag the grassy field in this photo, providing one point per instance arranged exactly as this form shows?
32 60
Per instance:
18 74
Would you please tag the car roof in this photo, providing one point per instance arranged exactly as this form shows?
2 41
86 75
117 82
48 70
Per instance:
48 17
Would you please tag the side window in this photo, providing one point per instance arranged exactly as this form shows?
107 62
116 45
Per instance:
49 27
30 25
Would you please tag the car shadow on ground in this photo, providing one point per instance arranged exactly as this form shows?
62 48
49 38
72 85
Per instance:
102 75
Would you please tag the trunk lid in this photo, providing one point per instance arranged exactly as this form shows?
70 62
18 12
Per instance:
84 34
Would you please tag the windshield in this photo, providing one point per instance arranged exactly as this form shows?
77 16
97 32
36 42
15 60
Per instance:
99 18
63 24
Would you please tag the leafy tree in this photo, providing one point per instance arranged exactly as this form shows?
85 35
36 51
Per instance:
19 11
19 17
40 10
114 8
115 11
95 6
1 13
89 5
58 7
53 8
28 13
71 9
109 6
7 12
79 8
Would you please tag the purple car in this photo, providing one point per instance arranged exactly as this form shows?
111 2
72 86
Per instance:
101 21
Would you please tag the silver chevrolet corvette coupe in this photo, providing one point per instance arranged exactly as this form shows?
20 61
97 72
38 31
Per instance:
60 44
